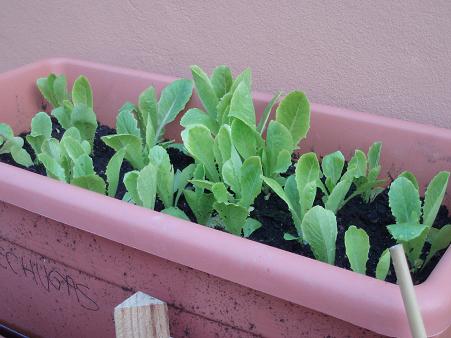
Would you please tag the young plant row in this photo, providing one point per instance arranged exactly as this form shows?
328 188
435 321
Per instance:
236 158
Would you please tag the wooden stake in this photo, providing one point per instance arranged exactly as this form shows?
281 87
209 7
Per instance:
407 291
141 316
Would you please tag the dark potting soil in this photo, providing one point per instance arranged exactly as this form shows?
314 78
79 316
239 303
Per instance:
273 212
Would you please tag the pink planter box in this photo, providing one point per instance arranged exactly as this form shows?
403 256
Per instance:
68 256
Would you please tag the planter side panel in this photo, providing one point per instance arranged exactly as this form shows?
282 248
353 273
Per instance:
61 271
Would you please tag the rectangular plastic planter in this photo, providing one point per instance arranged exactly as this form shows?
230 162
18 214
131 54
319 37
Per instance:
68 256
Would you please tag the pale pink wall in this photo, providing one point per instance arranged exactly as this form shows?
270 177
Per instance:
385 57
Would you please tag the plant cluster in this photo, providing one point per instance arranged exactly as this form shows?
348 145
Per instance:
237 158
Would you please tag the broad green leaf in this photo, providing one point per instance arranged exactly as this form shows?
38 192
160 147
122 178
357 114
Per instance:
332 166
83 166
294 113
440 241
221 80
279 144
82 92
14 142
126 123
336 198
197 116
63 115
132 144
265 116
433 197
250 226
307 175
201 204
202 184
383 265
150 136
374 155
234 216
404 232
319 228
245 77
176 212
181 180
131 184
91 182
45 86
251 181
290 237
52 148
205 90
112 171
357 166
231 173
84 119
165 173
60 90
52 167
73 148
222 147
173 99
242 106
404 201
147 185
147 104
244 138
292 193
198 141
41 124
357 245
5 132
21 156
277 188
223 109
220 192
411 177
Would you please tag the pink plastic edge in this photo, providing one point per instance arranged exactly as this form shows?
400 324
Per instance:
358 299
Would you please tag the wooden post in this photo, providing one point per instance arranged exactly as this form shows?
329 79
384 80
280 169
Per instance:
407 291
141 316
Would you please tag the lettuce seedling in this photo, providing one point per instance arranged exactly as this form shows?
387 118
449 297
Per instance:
225 171
139 128
77 112
157 178
68 160
10 144
414 219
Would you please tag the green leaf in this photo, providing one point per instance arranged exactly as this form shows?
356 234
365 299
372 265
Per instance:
83 166
374 155
165 173
112 171
319 228
251 180
231 173
383 265
439 241
132 144
250 226
290 237
411 177
307 175
244 138
332 166
73 148
357 245
277 188
197 116
220 192
245 77
357 166
222 147
84 119
221 80
265 116
147 104
292 193
126 123
242 106
198 141
405 232
45 86
234 216
131 184
336 198
294 113
176 212
52 167
181 179
41 130
91 182
433 197
223 109
82 92
147 185
201 204
5 132
279 146
205 91
60 90
21 156
63 115
404 201
173 99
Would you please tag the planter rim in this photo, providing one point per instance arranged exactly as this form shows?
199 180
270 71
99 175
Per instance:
285 275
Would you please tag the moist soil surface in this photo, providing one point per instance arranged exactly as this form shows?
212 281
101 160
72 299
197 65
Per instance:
273 213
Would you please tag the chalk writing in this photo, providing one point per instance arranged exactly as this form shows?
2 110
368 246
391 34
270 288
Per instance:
47 278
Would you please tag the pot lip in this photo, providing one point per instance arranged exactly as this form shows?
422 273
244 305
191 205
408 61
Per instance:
254 265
